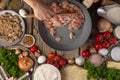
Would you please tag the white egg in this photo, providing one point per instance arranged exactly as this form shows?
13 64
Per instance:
103 51
79 60
22 12
41 59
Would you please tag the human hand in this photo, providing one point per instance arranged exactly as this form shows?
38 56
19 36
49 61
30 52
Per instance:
41 11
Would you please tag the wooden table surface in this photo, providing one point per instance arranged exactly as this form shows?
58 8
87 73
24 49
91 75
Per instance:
32 28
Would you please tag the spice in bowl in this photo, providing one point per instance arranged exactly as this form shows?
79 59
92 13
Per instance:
15 4
28 40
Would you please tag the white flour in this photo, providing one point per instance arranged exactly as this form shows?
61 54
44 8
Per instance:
47 72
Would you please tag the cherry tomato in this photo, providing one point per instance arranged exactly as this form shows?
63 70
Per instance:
107 35
99 37
56 64
62 62
97 46
113 40
85 53
57 58
34 48
105 44
51 55
49 61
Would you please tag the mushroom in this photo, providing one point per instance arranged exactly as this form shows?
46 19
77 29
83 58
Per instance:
71 61
18 51
20 56
24 13
104 25
25 53
92 50
37 53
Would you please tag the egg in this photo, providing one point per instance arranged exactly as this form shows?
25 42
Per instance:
41 59
103 51
22 13
79 60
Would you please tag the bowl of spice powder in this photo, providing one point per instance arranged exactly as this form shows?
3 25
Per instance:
28 40
15 4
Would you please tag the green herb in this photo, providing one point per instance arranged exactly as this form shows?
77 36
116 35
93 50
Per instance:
10 62
101 72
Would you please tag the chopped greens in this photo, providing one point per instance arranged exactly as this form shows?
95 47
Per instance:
10 62
101 72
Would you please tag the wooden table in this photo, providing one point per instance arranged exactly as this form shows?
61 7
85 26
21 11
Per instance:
32 28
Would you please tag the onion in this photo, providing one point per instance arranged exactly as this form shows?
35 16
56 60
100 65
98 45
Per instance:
96 59
104 25
25 63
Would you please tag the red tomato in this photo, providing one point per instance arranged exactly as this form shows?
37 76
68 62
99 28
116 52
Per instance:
113 40
51 55
56 64
34 48
107 35
62 62
85 53
99 37
49 61
97 46
105 44
57 58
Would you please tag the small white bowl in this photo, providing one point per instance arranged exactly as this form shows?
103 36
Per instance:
117 32
28 40
115 53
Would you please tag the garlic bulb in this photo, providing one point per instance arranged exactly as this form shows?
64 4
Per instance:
22 13
79 60
103 51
